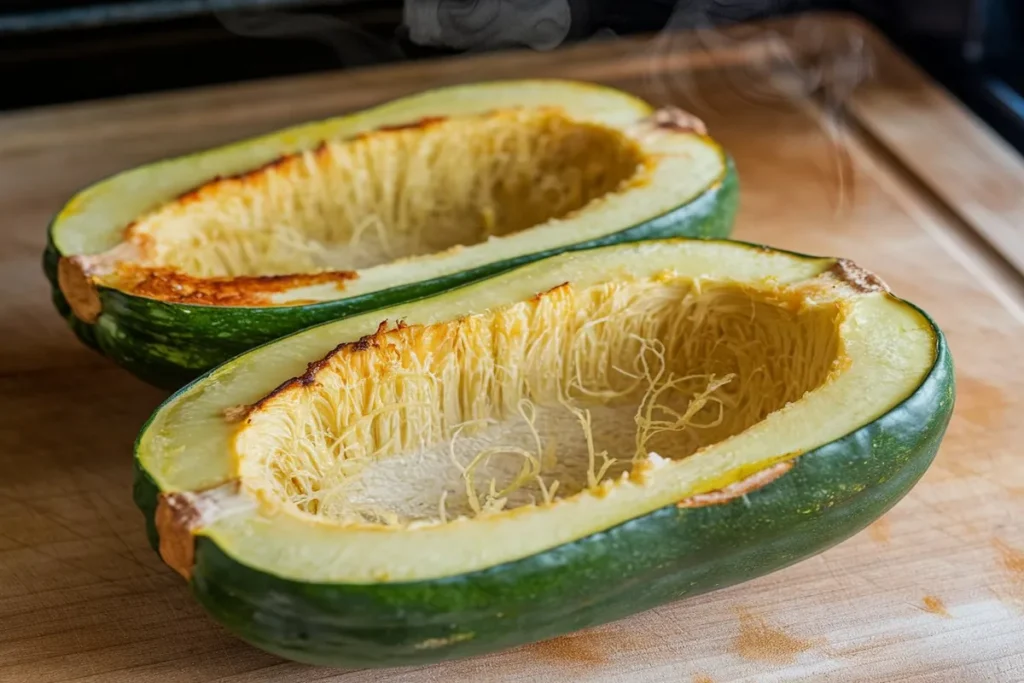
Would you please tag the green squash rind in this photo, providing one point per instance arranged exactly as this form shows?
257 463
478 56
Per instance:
830 494
169 345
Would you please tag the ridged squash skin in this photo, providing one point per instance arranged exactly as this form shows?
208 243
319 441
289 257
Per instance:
170 344
828 495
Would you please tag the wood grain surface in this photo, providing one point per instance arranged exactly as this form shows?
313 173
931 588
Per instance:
877 164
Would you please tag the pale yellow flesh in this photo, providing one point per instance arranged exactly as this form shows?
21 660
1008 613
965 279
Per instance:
536 401
394 194
888 349
93 220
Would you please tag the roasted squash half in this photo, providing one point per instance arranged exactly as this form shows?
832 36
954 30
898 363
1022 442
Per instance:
565 444
177 266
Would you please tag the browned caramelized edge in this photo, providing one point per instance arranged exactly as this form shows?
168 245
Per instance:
364 343
425 122
564 287
674 118
740 488
256 174
175 518
860 279
179 514
308 378
76 285
167 284
170 285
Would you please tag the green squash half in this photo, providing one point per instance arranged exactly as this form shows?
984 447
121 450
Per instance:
381 490
174 267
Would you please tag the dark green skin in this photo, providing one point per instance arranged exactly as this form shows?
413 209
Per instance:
672 553
169 345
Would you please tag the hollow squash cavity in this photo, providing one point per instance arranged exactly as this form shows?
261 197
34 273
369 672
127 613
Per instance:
390 194
533 402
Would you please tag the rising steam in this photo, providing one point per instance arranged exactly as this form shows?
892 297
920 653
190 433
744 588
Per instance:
474 25
807 63
353 45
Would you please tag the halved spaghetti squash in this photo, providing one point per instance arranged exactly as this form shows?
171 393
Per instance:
174 267
555 447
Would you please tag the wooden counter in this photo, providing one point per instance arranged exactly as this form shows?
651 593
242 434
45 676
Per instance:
877 164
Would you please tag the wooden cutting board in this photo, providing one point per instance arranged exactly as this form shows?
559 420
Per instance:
876 164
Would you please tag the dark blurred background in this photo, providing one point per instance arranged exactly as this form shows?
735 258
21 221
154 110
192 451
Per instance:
55 51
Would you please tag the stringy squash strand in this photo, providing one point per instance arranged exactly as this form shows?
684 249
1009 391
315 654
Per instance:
395 194
532 401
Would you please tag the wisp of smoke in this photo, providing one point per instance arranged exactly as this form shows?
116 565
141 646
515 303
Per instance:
809 65
353 45
473 25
